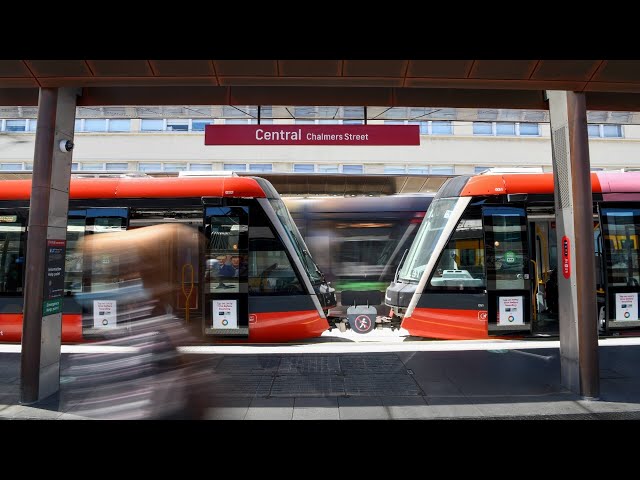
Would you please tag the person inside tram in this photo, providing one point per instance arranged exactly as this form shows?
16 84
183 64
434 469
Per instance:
551 292
14 275
214 265
233 269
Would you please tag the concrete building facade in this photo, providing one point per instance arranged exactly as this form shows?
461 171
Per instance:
446 147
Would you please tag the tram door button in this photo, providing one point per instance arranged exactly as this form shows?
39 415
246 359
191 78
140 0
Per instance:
362 319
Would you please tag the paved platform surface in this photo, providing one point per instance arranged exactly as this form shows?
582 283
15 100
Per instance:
388 377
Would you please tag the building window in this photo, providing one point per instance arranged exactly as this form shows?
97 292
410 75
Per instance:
506 128
612 131
328 169
529 129
119 125
200 167
119 166
78 125
33 123
16 126
95 125
174 167
431 127
480 169
74 167
303 168
240 121
352 169
179 125
152 125
92 166
413 170
150 167
198 124
441 170
10 167
482 128
441 128
235 167
260 167
604 130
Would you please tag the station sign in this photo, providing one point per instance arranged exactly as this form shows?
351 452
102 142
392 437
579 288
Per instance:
54 284
339 135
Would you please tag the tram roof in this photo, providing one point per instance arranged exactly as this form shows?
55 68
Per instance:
308 184
146 187
542 183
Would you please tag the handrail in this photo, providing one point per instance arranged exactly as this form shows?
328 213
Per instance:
534 299
187 305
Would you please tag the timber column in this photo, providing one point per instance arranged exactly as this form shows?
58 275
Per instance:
46 244
576 257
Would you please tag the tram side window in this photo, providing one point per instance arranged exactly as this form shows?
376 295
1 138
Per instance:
12 253
98 272
621 232
461 265
74 258
270 269
105 270
597 243
506 246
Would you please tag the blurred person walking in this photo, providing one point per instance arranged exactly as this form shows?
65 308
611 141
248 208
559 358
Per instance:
146 377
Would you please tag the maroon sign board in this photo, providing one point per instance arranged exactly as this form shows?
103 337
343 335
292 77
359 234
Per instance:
340 135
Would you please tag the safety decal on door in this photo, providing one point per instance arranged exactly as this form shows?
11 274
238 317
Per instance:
225 314
510 311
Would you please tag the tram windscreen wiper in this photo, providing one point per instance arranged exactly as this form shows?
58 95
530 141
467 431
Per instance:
395 277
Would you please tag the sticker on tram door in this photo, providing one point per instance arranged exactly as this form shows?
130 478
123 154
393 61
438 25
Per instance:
361 319
483 316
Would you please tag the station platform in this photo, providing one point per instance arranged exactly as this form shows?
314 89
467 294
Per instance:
382 375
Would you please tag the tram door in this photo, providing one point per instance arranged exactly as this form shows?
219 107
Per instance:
621 254
544 263
508 269
226 294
